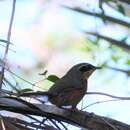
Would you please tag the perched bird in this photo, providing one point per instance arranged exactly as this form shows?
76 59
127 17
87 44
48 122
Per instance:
70 89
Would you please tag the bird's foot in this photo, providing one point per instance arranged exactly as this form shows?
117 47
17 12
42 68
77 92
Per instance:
91 114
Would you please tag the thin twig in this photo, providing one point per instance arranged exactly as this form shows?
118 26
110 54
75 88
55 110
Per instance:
98 102
8 39
54 123
109 95
109 124
23 123
10 84
127 72
2 123
20 77
28 82
32 118
5 41
42 122
63 125
9 48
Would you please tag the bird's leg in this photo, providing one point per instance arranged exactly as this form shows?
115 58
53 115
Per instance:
74 107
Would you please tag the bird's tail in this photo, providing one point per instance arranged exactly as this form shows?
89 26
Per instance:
40 96
34 94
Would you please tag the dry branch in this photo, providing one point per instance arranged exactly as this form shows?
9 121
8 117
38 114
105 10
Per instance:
74 117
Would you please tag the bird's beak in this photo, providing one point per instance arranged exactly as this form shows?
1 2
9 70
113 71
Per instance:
95 68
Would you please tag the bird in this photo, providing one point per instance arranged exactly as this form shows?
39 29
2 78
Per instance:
69 89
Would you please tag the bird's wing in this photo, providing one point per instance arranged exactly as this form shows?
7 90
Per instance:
64 84
64 88
59 86
67 96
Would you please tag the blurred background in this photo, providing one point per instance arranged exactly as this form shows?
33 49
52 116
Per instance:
47 35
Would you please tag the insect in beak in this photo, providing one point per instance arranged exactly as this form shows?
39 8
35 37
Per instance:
97 67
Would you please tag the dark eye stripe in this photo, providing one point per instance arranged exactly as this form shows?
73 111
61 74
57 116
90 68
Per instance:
85 68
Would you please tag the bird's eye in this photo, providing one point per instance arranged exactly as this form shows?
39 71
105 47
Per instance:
85 68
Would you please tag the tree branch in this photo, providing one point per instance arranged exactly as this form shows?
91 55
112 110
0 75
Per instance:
5 41
127 72
120 44
74 117
100 15
8 43
125 1
25 124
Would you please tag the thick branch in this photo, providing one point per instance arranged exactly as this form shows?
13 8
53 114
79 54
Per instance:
99 15
79 118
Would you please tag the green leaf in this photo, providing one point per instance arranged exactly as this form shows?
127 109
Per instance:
115 58
128 62
121 9
52 78
26 90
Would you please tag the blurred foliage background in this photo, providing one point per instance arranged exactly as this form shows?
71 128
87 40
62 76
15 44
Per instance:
54 35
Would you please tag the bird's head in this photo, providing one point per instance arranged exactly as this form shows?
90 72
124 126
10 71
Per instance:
83 69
